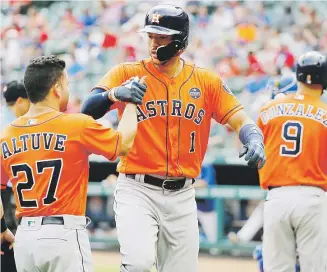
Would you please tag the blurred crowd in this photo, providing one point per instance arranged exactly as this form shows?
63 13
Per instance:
247 43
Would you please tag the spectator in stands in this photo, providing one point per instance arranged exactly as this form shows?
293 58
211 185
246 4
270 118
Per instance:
75 69
88 19
284 59
103 33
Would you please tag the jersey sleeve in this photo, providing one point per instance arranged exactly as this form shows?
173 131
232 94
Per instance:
113 78
100 140
224 103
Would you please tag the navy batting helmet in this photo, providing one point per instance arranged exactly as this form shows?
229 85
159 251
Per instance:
13 90
168 20
312 69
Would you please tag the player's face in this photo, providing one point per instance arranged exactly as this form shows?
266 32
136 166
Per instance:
64 91
154 41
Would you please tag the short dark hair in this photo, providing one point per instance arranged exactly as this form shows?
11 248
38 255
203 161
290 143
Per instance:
13 90
40 75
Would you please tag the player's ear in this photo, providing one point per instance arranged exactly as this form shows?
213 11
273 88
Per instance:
56 90
18 100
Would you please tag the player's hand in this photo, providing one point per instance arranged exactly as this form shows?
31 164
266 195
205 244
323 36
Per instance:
7 236
255 154
131 91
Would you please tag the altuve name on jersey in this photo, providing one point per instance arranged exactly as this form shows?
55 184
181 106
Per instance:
34 141
292 109
159 108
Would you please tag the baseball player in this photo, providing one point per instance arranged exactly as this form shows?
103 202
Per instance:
16 99
155 206
45 154
295 210
17 102
278 87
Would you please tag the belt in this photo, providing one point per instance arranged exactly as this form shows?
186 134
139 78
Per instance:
49 220
167 184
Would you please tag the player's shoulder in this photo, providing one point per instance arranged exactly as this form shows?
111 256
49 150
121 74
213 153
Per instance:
295 99
321 104
129 69
278 100
204 72
308 100
77 117
75 120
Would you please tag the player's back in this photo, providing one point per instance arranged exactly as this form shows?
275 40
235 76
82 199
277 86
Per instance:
295 131
46 159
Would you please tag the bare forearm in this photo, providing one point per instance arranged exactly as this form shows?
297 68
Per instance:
128 127
239 120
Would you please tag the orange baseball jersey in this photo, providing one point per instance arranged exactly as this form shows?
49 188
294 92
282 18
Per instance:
46 159
295 132
174 119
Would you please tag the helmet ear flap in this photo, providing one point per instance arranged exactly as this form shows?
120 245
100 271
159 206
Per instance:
165 53
312 69
183 39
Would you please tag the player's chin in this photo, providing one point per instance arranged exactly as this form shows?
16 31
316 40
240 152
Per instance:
155 59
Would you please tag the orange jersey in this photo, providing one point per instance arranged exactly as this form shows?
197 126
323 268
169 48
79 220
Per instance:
295 132
46 159
174 119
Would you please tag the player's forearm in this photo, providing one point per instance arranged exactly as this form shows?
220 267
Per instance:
238 120
97 104
245 127
128 127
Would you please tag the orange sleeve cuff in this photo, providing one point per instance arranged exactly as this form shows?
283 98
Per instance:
118 146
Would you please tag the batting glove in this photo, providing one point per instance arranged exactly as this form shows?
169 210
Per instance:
131 91
255 154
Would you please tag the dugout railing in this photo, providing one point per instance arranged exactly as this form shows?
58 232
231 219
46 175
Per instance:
218 193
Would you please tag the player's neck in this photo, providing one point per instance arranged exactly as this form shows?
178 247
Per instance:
310 90
172 68
41 108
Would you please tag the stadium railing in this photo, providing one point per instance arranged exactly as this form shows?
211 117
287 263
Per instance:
218 193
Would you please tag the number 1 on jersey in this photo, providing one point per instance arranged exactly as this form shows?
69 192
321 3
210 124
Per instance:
192 147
